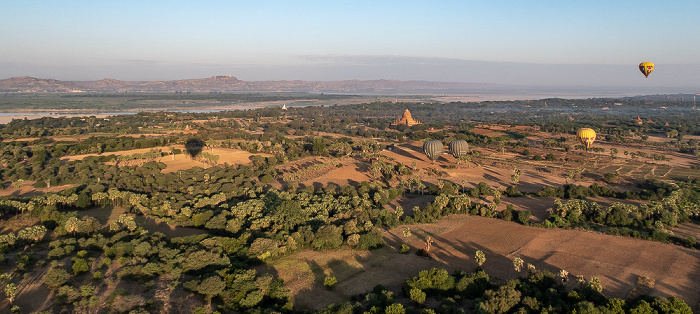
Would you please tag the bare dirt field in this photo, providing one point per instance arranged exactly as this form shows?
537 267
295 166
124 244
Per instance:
616 261
27 190
226 156
470 173
181 161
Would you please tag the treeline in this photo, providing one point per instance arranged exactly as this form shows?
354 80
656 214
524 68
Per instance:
436 291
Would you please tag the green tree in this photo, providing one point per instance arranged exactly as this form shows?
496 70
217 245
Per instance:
80 265
417 295
56 277
613 152
211 287
328 237
396 308
319 147
501 300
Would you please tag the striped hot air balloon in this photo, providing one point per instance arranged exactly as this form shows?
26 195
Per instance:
433 149
458 148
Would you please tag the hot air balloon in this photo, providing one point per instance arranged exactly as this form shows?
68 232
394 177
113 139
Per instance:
433 149
458 148
586 136
646 68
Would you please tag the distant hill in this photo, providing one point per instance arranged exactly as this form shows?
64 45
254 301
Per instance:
231 84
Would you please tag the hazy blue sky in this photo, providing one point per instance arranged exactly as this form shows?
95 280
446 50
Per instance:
514 42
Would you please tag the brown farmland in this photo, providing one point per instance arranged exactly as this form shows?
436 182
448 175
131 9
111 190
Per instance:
616 261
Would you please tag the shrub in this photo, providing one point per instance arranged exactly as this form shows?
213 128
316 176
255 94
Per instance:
329 282
371 240
328 237
434 279
405 248
660 236
513 191
524 216
474 285
507 214
56 277
266 179
40 184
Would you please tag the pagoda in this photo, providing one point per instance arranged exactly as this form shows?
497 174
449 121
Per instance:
406 119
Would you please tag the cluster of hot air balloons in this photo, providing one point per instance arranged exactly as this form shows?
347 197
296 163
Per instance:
586 135
434 148
460 148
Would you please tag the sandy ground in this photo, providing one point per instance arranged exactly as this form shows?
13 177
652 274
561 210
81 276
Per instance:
182 161
616 261
27 190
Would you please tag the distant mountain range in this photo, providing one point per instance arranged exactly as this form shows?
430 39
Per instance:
225 84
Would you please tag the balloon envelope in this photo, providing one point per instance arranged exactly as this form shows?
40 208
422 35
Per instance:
646 68
433 149
458 148
586 136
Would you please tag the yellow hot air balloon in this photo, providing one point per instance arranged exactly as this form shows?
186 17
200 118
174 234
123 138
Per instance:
586 136
646 68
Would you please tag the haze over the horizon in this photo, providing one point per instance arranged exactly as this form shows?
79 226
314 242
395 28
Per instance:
566 43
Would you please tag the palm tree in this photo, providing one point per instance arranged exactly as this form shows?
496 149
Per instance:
10 292
563 276
530 268
71 224
398 211
594 283
480 258
518 264
171 151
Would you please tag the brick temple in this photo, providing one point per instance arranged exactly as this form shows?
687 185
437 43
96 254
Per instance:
406 119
